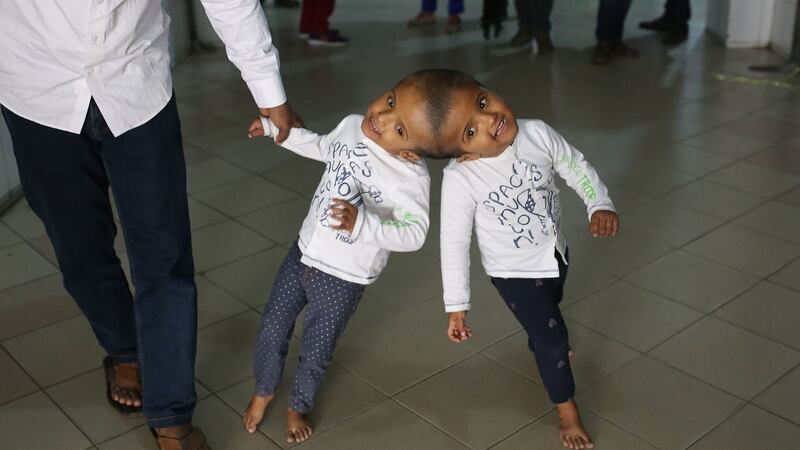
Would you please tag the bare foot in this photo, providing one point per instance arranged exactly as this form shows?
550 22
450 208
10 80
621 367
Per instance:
255 411
125 386
573 435
298 428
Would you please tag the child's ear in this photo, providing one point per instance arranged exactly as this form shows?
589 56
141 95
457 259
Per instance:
409 156
468 157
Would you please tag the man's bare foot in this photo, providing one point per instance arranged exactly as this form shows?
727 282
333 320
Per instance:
255 411
573 435
298 428
125 386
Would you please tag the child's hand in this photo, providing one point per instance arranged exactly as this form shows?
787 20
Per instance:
457 329
345 213
256 129
604 224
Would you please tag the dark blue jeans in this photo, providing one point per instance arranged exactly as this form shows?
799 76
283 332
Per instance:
66 178
454 7
611 19
534 302
534 15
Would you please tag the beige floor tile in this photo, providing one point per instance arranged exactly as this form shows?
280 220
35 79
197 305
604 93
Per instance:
789 276
44 247
387 426
702 350
786 110
341 396
744 250
491 401
633 316
8 237
280 223
24 222
223 427
225 351
595 356
738 100
250 279
659 404
669 224
651 182
752 428
262 157
763 129
791 197
693 281
16 383
769 310
582 281
706 114
370 310
409 278
222 140
397 352
214 304
781 397
20 263
46 296
713 199
21 426
201 215
137 439
57 352
784 157
83 399
223 243
302 178
726 143
193 154
773 219
619 255
543 434
244 196
755 179
211 173
688 160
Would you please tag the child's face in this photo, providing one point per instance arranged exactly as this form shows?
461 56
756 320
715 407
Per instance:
397 123
480 122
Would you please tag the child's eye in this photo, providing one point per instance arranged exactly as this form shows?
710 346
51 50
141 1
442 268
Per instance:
391 102
400 131
482 103
470 133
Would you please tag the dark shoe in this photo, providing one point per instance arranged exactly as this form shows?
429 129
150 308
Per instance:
659 24
194 440
544 44
602 53
423 19
675 36
128 372
521 39
331 38
621 49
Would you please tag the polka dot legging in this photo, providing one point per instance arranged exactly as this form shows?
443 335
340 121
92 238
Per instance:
330 303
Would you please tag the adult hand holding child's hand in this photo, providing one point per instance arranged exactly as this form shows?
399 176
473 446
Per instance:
284 118
457 329
604 224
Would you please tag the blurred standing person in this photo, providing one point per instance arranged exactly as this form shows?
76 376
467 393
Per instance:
428 17
534 23
610 27
674 22
314 15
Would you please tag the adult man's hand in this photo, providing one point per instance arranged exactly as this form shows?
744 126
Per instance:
284 118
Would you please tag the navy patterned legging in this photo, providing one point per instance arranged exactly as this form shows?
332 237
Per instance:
331 302
534 302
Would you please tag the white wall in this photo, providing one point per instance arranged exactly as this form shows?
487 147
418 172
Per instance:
783 19
741 23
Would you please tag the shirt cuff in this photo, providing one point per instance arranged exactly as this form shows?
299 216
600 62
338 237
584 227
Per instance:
268 93
601 208
456 307
270 130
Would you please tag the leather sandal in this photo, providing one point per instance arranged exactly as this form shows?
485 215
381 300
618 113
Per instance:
194 440
112 369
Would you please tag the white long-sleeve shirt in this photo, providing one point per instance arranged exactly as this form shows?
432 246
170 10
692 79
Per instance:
55 55
513 201
392 196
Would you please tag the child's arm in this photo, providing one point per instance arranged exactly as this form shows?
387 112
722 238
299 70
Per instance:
301 141
583 179
407 227
457 216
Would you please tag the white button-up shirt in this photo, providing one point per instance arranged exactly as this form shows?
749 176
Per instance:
55 55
